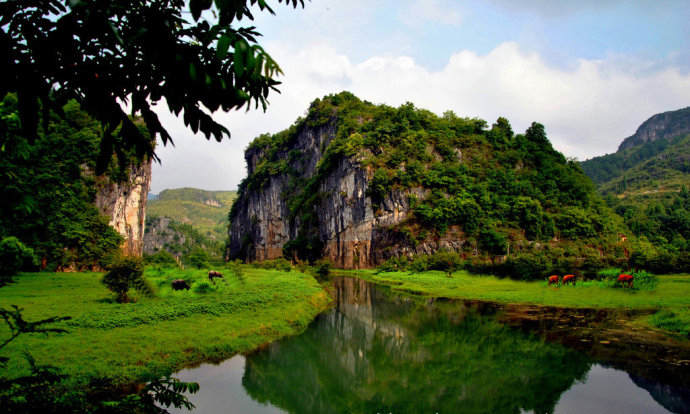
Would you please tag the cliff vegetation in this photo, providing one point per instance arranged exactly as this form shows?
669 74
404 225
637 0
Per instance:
48 188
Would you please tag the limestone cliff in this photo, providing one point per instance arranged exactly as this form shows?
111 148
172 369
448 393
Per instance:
125 203
660 126
359 184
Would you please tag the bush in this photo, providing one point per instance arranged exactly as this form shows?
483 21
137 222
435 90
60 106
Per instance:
161 258
419 264
526 267
202 287
236 269
15 256
323 268
198 258
125 273
394 264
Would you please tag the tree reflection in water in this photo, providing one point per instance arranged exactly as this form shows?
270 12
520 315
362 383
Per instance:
377 352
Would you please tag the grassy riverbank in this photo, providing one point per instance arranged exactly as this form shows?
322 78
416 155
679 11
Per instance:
671 297
123 343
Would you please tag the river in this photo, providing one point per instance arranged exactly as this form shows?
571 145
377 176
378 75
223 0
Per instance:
380 352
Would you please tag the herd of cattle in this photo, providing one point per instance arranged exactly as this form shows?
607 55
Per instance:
179 284
623 279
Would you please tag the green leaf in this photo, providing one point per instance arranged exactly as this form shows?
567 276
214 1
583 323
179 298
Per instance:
198 6
223 46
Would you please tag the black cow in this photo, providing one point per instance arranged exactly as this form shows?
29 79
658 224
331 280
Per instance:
212 274
179 284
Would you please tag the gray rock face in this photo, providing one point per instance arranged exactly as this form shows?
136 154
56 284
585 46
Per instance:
125 204
661 126
353 235
159 234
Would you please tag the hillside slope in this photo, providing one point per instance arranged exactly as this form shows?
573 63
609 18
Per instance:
646 182
205 211
359 183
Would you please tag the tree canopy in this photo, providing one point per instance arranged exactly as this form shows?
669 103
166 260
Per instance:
112 54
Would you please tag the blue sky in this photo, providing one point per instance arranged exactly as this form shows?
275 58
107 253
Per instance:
590 71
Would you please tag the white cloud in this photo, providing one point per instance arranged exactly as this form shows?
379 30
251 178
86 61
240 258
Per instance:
587 110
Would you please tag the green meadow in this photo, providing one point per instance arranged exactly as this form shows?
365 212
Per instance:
117 343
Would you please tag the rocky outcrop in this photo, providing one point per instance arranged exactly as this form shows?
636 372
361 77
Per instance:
353 234
125 203
160 234
661 126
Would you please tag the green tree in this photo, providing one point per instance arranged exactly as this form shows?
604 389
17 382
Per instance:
198 258
125 273
14 256
105 52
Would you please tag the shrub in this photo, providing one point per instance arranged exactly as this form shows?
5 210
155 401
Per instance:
15 256
202 287
160 258
394 264
526 267
198 258
125 273
419 264
323 268
236 269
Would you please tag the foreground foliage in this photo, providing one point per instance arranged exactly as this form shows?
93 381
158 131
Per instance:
102 53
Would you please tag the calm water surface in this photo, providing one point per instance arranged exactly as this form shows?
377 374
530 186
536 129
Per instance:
377 352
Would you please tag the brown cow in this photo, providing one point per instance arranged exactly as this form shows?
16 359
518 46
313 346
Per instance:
553 279
569 278
212 274
624 278
179 284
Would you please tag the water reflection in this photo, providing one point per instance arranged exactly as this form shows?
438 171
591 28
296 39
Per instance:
376 352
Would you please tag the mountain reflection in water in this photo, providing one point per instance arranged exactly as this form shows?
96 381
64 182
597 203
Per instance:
377 352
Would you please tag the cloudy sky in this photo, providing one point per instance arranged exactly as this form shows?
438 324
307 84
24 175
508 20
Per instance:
590 71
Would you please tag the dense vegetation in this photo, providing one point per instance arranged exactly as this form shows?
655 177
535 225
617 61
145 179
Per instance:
47 188
498 190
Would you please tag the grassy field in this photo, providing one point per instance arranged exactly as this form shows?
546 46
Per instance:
123 343
671 297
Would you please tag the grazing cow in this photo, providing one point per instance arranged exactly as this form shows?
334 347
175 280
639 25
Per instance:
179 284
626 279
212 274
569 278
553 279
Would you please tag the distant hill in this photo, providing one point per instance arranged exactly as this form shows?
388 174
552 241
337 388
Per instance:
654 160
205 211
